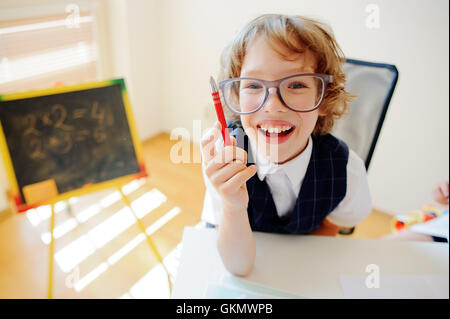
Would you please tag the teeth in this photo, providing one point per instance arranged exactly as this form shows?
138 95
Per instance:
276 130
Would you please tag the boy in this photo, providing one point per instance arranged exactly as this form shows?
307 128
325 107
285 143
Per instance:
283 82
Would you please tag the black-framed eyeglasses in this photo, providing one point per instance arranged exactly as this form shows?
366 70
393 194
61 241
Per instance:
299 92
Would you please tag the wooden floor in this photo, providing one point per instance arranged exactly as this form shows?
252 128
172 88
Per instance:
24 256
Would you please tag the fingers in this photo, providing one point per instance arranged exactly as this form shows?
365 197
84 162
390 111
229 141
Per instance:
239 179
208 142
227 155
223 174
443 187
226 168
441 192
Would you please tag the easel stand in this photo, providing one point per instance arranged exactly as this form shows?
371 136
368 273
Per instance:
148 238
105 107
140 225
51 254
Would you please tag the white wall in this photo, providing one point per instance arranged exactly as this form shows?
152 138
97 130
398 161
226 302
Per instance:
412 151
134 37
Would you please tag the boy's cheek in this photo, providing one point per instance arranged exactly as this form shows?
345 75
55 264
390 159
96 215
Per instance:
248 128
309 120
251 133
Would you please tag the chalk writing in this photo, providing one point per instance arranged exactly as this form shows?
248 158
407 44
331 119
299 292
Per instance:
75 138
64 134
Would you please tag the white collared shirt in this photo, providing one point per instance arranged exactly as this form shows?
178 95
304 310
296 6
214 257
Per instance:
285 180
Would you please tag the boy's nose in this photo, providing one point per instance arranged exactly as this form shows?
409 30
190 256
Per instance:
273 103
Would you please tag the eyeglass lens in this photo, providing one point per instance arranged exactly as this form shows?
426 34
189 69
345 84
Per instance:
300 93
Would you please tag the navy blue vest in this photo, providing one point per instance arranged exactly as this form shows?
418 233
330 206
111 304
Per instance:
323 188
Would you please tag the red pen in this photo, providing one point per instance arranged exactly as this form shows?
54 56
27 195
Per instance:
219 112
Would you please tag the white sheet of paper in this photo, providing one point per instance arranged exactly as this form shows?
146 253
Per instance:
396 287
435 227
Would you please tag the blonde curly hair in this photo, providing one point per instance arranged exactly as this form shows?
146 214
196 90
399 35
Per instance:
295 33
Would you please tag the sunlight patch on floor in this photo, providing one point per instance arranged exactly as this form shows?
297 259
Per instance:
154 284
148 202
74 253
128 247
163 220
60 230
90 277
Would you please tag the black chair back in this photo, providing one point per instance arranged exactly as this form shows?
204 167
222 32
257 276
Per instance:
373 84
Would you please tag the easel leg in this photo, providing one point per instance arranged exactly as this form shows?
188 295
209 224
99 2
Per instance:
51 253
149 240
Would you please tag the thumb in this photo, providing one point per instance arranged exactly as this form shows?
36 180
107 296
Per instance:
244 186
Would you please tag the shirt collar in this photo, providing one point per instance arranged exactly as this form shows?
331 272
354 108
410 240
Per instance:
295 169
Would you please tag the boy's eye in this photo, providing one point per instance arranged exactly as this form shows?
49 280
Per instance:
296 85
250 85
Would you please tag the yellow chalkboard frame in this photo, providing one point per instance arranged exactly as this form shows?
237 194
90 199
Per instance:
14 188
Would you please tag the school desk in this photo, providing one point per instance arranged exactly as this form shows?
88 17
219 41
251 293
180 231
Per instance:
306 265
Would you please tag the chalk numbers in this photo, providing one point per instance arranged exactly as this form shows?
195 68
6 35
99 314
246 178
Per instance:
35 148
63 134
99 115
33 136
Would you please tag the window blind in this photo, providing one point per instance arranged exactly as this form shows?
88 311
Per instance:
38 53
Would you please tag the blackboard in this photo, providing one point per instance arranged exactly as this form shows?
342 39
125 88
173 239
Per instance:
76 137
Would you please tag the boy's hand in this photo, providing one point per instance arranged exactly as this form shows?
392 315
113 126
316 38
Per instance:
227 170
441 192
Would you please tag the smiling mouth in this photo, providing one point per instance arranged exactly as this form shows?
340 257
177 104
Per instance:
276 132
